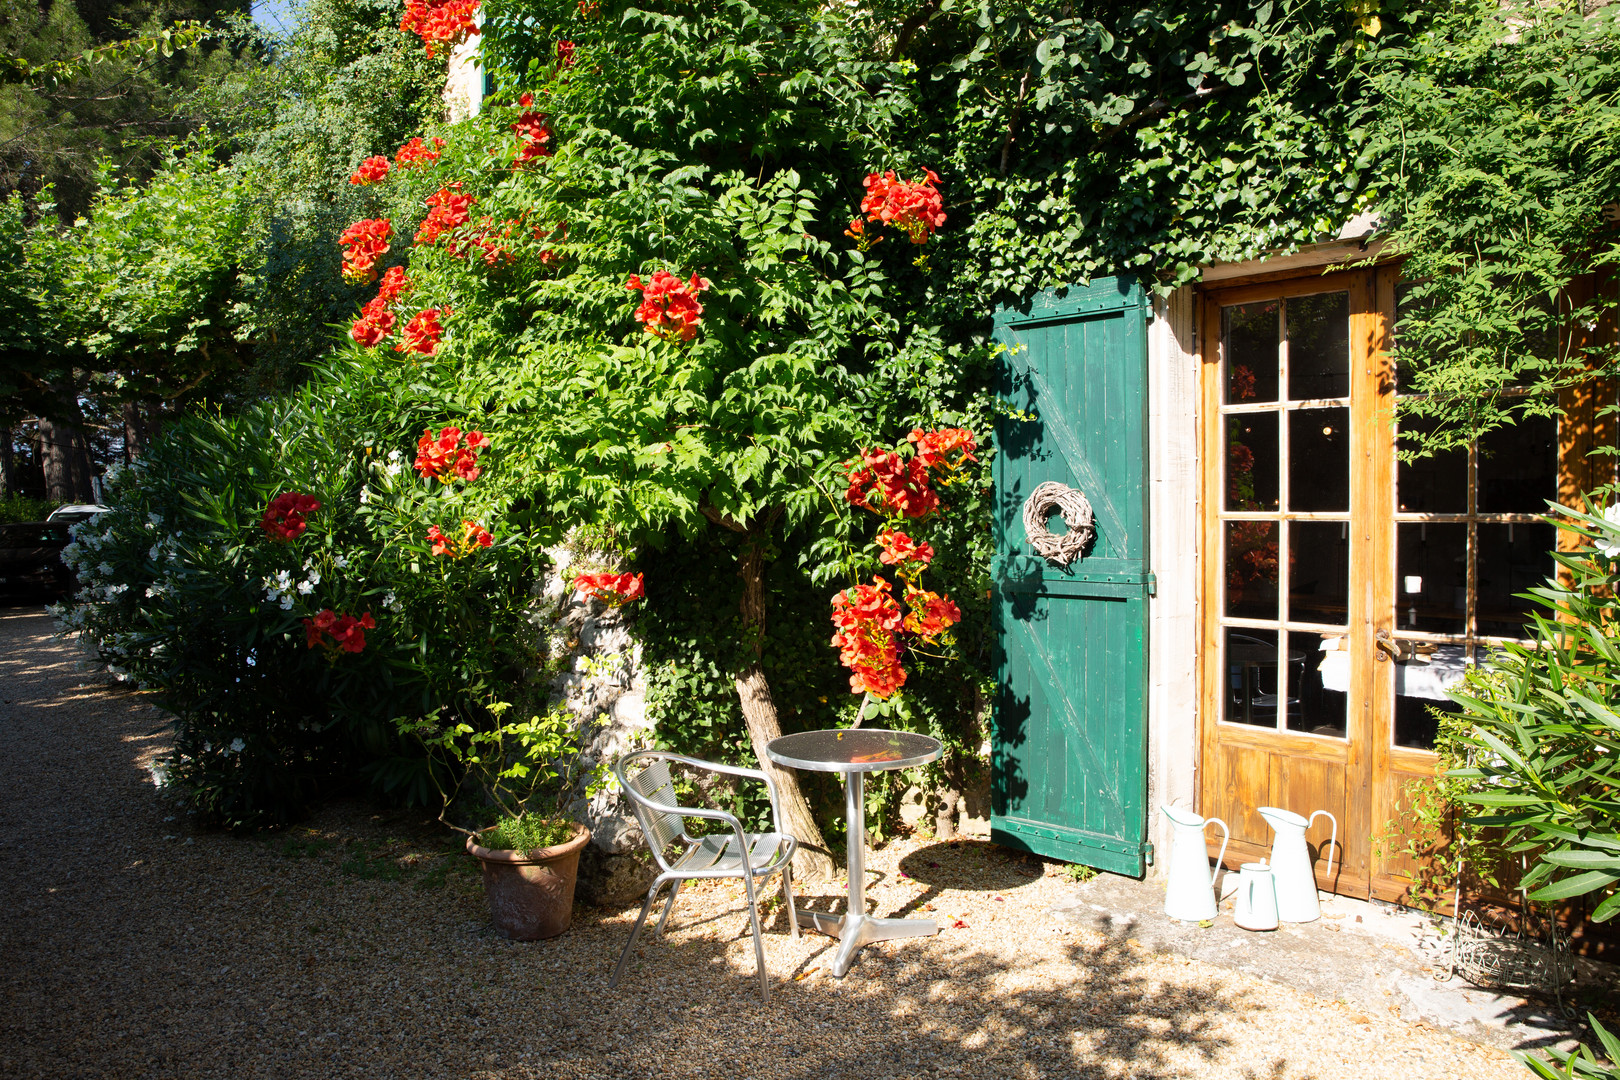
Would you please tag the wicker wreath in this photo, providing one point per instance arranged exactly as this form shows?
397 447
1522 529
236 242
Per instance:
1058 550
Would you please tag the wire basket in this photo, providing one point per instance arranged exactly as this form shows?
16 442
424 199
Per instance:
1504 959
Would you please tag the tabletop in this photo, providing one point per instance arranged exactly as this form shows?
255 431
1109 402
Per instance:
853 750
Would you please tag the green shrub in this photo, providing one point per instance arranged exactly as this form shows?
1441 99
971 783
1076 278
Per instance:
1545 738
15 508
185 593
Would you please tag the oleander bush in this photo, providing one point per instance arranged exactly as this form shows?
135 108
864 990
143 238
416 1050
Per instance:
285 635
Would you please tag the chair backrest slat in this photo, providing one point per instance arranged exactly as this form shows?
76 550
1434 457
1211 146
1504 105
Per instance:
653 784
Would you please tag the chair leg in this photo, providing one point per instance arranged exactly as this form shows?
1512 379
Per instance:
787 892
759 942
641 920
669 905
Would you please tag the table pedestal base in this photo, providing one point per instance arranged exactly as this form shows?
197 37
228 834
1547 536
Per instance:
853 931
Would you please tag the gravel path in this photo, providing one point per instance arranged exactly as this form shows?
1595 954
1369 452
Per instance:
356 946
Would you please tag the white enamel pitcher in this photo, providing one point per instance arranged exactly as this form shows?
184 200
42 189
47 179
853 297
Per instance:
1190 893
1291 863
1255 905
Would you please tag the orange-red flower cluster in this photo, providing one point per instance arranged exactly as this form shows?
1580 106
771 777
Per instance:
865 620
423 333
347 633
533 133
929 614
914 207
565 53
283 519
446 458
440 22
934 448
669 306
887 483
448 208
376 322
473 536
900 549
415 152
373 170
394 284
363 244
614 589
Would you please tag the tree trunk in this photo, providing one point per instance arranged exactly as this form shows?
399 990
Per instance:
811 862
8 481
67 462
134 432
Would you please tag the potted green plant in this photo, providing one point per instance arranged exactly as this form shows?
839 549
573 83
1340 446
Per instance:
522 774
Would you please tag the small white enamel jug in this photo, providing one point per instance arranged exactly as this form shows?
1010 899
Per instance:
1291 863
1255 905
1190 892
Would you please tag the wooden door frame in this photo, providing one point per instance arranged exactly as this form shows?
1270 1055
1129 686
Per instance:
1371 607
1583 426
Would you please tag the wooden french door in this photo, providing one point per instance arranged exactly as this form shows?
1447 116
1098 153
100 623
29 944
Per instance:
1298 451
1343 592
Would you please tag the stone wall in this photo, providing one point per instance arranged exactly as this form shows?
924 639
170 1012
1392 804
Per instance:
593 648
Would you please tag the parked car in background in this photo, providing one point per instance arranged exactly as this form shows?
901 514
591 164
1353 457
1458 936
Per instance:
73 512
31 558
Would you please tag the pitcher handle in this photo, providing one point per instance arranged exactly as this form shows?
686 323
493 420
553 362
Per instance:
1333 842
1226 838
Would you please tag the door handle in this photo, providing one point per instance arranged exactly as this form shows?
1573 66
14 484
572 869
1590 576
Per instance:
1386 647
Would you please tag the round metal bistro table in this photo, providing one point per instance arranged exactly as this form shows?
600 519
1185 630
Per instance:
856 752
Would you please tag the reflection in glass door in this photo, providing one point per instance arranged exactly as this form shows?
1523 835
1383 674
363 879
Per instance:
1292 435
1285 513
1469 541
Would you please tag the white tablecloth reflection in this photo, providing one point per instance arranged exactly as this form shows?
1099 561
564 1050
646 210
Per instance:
1413 678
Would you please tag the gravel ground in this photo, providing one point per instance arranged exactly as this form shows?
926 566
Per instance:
132 945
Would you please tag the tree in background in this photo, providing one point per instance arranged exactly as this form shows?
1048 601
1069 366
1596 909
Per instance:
194 266
82 82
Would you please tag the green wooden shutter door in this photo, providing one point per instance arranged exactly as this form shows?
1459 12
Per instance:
1069 743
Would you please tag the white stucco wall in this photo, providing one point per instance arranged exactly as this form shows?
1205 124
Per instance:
464 83
1173 546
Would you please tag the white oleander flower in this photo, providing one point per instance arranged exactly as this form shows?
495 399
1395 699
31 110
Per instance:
1609 547
105 569
156 552
305 588
391 602
365 495
286 603
394 455
237 746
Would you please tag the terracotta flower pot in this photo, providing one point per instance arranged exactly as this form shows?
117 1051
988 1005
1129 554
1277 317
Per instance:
531 893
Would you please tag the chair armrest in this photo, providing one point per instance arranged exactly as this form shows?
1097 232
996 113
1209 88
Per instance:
692 811
709 766
738 770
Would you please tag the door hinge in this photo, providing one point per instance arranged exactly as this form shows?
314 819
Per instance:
1147 853
1152 585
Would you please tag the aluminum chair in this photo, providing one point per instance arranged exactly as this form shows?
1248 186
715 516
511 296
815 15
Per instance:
740 855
